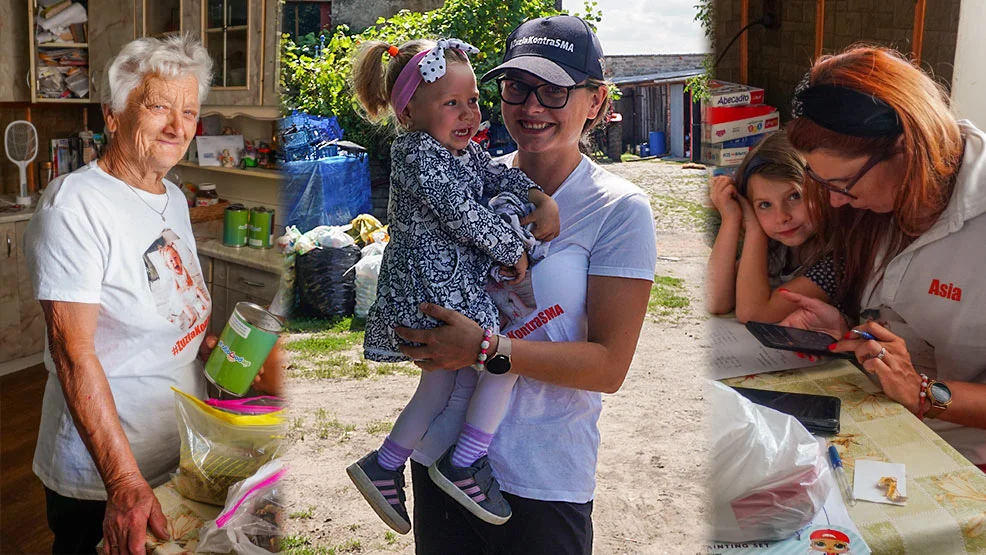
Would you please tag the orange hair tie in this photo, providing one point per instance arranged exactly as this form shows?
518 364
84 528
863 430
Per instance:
393 51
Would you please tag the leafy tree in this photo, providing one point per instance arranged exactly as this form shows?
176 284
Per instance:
316 71
698 86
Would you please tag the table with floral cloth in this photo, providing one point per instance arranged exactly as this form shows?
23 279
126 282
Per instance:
946 506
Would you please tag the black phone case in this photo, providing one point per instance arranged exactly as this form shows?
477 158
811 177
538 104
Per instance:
795 339
819 414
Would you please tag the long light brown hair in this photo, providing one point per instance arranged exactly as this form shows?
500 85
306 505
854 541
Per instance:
930 145
374 79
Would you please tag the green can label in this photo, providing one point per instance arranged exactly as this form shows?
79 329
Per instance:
261 228
243 347
236 226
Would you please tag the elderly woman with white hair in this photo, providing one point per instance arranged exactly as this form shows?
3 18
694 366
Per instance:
108 430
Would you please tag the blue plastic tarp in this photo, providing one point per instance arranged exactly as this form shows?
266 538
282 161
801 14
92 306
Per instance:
330 191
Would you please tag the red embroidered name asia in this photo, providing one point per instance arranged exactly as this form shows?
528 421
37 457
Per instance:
946 290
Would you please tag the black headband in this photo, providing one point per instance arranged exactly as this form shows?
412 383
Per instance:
752 167
846 111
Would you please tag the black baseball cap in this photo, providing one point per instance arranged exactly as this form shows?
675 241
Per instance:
561 49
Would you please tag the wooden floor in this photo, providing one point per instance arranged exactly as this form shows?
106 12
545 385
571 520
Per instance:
23 526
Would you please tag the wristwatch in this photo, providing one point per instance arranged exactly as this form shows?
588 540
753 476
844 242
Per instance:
500 363
940 397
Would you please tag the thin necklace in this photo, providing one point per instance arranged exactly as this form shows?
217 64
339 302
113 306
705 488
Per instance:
167 199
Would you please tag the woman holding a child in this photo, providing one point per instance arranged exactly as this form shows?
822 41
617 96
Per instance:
591 292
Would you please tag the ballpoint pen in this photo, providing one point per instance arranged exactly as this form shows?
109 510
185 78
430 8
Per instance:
864 335
840 476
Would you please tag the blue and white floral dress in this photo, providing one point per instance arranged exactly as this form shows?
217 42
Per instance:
443 239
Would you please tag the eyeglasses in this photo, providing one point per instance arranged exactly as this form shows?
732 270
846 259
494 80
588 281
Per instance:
550 96
873 161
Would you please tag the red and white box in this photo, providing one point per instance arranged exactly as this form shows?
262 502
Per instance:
720 132
712 115
723 94
716 155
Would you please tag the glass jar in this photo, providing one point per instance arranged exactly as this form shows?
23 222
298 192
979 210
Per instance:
206 195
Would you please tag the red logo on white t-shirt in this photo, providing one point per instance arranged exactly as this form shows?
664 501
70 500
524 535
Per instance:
946 290
539 319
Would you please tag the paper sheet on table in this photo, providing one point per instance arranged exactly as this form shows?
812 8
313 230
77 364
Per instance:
867 474
736 352
833 516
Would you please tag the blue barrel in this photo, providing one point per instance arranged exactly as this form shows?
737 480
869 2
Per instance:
657 143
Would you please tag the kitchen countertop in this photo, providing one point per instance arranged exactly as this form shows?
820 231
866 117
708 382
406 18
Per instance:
18 216
268 260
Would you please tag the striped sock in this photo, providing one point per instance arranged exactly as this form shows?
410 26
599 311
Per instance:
392 455
473 444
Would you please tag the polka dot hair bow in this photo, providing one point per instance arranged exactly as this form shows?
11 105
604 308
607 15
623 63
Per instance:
427 66
432 66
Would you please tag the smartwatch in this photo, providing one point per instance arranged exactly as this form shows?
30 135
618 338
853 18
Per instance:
940 397
500 363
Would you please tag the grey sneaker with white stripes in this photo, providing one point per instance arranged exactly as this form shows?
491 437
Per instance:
383 489
473 487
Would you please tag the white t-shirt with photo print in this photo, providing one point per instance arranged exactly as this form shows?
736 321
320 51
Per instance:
94 239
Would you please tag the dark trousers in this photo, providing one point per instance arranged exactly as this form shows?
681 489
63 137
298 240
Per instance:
76 523
443 527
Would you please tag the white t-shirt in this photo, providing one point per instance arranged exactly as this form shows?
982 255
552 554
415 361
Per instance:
94 239
547 444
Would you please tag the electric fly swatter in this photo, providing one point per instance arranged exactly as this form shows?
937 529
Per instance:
21 142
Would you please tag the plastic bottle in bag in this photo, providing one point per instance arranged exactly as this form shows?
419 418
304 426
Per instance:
367 272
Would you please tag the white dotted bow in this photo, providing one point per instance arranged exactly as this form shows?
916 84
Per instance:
432 66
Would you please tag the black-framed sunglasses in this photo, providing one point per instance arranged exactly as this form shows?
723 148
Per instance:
550 96
873 161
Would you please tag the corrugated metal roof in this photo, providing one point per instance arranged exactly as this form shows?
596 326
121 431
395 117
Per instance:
656 78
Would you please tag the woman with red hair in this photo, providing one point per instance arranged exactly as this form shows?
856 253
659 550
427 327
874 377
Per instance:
908 184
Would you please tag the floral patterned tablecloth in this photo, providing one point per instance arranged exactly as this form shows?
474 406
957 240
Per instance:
946 507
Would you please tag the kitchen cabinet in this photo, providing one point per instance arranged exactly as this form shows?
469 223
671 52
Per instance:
22 326
15 71
230 283
242 36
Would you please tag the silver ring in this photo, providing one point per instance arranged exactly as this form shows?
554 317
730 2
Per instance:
882 353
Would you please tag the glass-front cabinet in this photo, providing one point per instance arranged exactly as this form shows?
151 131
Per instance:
159 18
232 31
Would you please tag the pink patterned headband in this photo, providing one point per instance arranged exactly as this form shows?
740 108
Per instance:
427 66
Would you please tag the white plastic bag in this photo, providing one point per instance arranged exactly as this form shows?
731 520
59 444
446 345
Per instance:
367 273
768 472
250 523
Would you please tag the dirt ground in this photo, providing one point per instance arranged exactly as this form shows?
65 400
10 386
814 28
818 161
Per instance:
652 459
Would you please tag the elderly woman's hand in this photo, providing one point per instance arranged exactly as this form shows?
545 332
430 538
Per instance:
813 314
131 509
886 357
449 347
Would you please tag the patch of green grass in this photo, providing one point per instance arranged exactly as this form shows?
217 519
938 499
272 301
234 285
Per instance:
379 426
337 324
306 514
627 157
300 545
324 343
693 214
327 426
667 300
390 538
351 546
353 527
345 366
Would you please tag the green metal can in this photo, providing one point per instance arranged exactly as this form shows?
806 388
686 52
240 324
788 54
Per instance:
244 344
236 225
261 228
